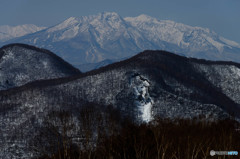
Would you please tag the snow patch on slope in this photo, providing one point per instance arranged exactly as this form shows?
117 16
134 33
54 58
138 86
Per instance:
70 33
142 98
229 42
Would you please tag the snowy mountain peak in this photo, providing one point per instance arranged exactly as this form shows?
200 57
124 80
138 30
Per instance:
106 18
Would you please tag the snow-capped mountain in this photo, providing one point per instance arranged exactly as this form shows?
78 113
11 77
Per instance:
187 39
91 39
10 32
20 64
152 83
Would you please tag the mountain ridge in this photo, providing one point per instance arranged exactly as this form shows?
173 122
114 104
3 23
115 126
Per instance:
9 32
148 53
21 63
114 65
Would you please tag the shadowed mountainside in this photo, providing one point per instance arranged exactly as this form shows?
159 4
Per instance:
20 64
149 85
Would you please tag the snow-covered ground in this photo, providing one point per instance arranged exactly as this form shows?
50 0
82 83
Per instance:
143 101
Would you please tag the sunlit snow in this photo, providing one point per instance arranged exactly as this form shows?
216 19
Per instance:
143 100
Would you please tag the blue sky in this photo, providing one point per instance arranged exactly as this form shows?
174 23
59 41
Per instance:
222 16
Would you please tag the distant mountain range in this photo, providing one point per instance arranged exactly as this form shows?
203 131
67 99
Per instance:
10 32
20 64
91 39
150 84
92 66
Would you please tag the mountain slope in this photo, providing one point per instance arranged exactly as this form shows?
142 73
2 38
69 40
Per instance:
194 41
153 83
92 66
91 39
20 64
9 32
